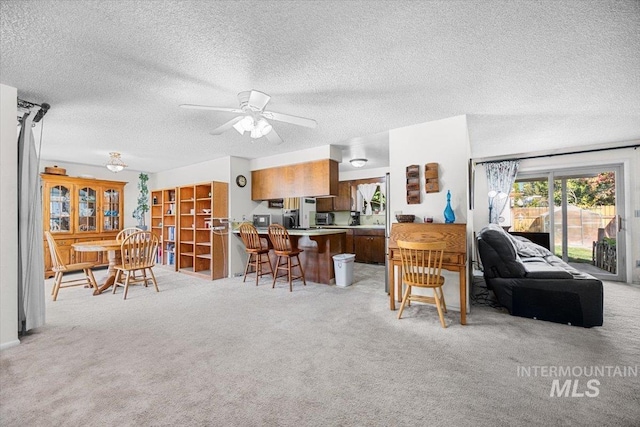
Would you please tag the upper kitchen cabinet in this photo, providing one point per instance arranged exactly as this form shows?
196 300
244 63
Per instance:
347 199
343 202
310 179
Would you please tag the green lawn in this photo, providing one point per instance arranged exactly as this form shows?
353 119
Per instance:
576 254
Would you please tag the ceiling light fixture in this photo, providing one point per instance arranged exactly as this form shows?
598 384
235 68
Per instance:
257 128
358 163
115 163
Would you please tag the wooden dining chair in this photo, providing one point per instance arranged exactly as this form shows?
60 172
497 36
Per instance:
285 253
126 232
257 250
60 269
138 253
422 267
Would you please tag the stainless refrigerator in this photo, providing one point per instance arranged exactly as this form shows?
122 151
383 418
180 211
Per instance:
387 230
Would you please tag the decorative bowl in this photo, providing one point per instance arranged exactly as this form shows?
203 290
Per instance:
405 218
207 211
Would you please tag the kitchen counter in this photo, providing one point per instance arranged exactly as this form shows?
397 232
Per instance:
318 245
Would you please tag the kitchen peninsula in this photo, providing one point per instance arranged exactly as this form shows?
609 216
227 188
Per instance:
319 246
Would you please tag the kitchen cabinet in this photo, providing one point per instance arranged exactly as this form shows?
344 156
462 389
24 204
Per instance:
369 245
343 202
80 210
347 198
349 249
310 179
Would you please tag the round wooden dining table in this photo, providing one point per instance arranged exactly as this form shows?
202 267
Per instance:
113 249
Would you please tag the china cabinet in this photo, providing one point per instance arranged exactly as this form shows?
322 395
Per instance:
79 210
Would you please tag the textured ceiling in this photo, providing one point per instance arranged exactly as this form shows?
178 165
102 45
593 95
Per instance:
531 76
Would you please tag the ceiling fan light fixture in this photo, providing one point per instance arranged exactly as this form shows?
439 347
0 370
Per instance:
264 127
247 123
238 126
115 163
358 163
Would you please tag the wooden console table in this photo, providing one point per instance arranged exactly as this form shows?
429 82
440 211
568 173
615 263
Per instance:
455 254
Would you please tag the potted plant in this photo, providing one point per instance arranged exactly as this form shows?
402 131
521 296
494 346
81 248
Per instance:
143 201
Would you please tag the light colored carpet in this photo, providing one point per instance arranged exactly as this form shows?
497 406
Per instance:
233 354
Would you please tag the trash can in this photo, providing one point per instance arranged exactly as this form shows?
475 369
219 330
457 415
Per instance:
343 266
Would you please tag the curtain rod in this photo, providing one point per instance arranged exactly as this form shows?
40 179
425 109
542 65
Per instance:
28 105
634 146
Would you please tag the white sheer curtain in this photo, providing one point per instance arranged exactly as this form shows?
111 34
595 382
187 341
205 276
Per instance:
383 191
367 191
500 178
31 308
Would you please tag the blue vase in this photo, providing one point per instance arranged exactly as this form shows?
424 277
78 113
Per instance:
449 215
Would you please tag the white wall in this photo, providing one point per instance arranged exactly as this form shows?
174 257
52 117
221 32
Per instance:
629 158
8 218
241 207
445 142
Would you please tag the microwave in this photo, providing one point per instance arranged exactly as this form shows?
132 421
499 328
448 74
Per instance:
324 218
262 221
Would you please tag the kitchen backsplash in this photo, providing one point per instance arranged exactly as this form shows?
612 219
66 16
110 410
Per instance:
342 218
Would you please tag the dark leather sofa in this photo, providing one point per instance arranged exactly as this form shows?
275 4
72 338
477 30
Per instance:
531 282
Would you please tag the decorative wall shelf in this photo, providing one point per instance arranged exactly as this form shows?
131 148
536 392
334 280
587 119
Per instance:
413 185
431 178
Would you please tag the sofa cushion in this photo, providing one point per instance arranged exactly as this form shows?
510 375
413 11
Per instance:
526 248
542 270
499 256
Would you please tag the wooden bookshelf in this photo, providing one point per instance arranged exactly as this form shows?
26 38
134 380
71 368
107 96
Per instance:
200 251
169 230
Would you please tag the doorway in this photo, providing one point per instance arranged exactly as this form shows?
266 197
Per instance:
584 223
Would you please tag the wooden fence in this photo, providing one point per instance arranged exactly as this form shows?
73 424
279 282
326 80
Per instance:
604 256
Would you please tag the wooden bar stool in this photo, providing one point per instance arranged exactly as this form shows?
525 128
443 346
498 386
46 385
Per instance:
257 251
285 252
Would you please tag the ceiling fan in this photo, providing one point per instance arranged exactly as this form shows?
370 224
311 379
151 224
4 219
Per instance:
253 117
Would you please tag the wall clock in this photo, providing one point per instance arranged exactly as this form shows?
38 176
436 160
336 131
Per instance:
241 180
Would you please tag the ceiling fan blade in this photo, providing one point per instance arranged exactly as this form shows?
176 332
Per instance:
225 127
288 118
258 100
273 137
209 107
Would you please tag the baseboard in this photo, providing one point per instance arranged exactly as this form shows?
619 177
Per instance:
9 344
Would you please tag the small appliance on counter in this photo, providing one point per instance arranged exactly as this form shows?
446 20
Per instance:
354 218
261 220
291 218
325 218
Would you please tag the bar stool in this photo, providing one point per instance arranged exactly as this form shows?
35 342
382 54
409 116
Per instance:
258 253
282 247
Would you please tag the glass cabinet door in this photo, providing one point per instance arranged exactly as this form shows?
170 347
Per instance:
111 210
87 209
59 209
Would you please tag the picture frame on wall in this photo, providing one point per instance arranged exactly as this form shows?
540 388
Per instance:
276 203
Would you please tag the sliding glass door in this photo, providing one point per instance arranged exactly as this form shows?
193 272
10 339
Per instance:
584 221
